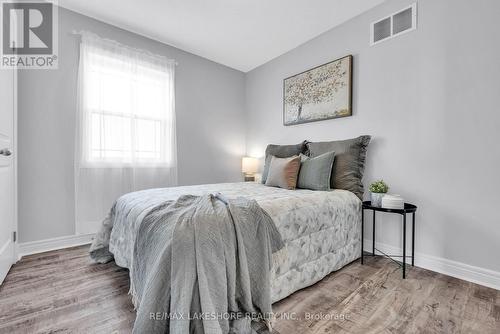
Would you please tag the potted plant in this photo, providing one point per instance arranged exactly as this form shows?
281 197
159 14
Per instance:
378 189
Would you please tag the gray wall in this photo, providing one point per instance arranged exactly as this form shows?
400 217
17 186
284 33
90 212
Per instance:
430 100
210 126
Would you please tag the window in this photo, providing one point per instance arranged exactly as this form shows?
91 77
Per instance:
127 101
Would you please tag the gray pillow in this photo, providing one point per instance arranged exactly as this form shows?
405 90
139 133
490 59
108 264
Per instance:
349 164
315 173
283 172
281 151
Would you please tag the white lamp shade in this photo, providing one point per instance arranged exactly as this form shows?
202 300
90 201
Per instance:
249 165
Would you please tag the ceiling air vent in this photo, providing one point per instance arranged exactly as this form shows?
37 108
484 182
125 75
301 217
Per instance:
394 25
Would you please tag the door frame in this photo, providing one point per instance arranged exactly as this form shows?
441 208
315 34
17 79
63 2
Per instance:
15 228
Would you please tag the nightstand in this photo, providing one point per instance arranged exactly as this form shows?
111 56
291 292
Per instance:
408 208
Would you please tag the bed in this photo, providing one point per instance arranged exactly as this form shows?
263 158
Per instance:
321 229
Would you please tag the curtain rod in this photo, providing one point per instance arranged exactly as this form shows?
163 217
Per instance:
116 43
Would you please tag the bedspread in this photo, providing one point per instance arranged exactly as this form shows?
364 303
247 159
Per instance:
321 229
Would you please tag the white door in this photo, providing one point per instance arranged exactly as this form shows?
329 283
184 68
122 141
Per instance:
7 172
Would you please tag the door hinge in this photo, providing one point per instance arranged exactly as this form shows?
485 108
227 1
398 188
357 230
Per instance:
14 236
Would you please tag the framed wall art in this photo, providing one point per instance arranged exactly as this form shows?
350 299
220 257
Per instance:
323 92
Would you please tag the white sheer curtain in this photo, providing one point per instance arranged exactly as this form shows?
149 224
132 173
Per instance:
125 135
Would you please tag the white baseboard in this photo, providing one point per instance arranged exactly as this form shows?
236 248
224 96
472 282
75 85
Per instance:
40 246
456 269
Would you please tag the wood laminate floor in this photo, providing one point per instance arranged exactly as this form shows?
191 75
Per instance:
62 292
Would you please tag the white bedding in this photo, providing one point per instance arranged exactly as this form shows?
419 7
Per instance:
321 229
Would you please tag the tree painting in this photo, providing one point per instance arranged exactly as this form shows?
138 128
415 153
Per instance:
321 93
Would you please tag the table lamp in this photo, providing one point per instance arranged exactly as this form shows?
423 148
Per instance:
249 167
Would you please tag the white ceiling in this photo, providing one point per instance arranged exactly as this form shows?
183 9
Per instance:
241 34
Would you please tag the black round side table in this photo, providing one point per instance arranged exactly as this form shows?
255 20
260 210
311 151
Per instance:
408 208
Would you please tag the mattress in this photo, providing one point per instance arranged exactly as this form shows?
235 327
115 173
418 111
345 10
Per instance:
321 229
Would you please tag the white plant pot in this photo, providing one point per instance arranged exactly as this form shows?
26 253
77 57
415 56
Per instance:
377 199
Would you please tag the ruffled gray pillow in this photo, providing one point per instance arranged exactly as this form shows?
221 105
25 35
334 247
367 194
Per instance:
349 164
